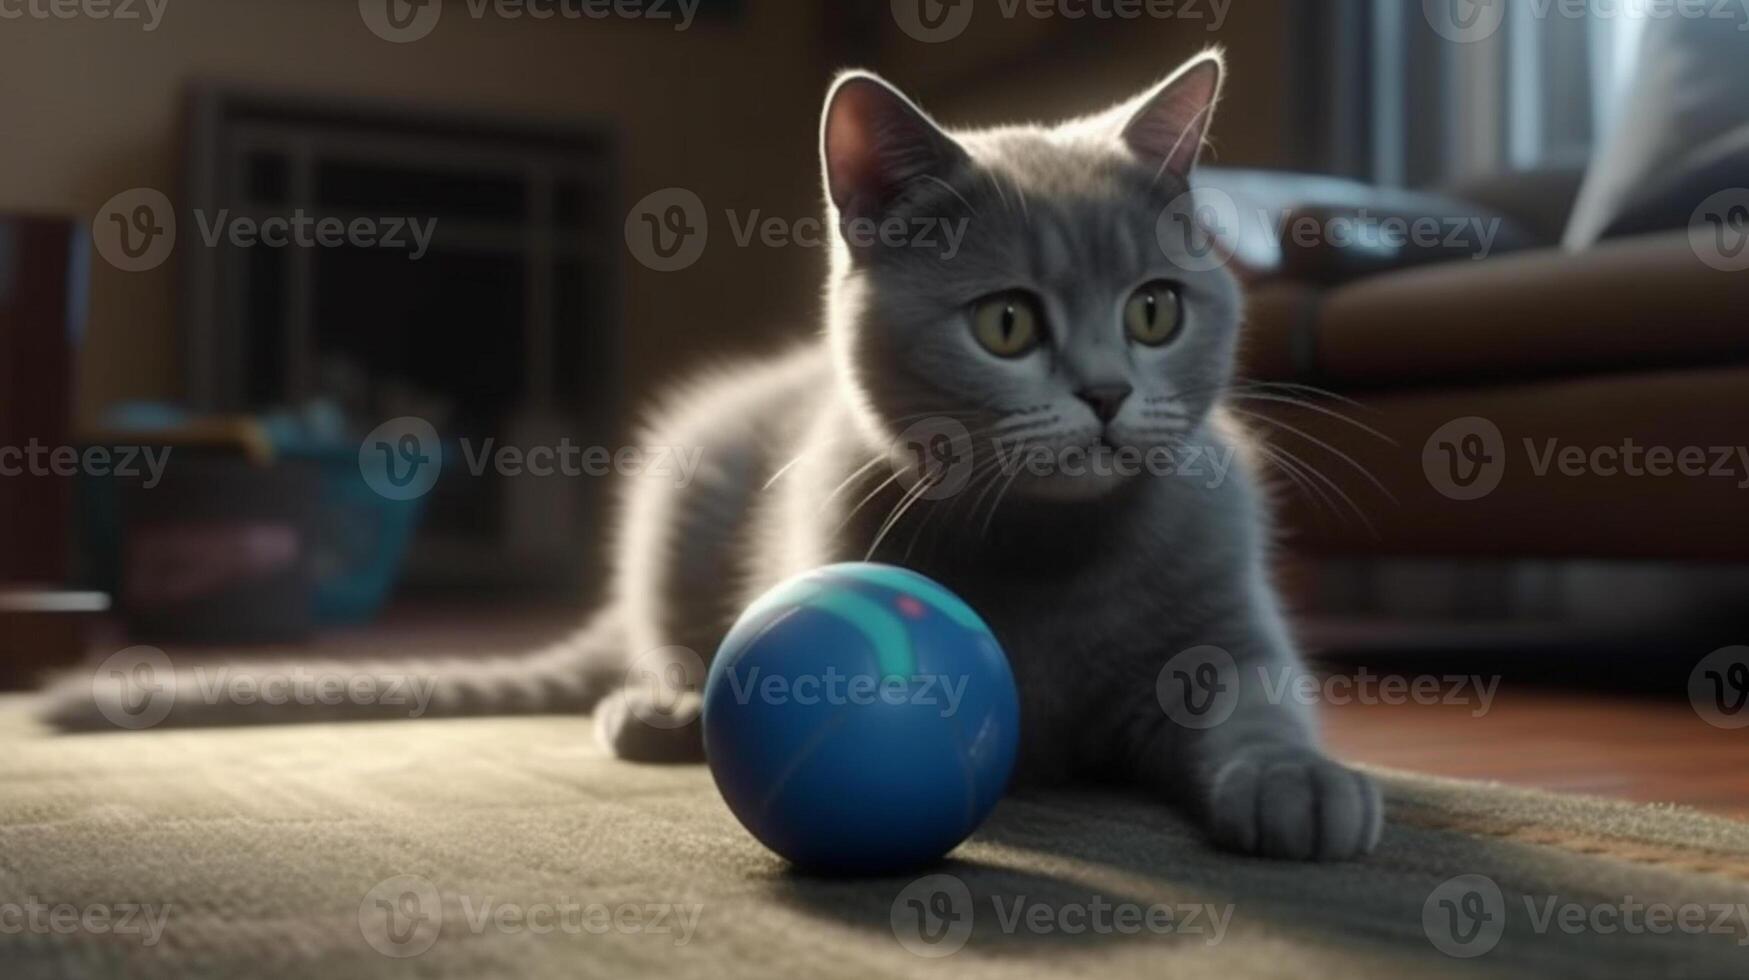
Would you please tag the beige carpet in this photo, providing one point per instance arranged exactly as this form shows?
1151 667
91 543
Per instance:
257 851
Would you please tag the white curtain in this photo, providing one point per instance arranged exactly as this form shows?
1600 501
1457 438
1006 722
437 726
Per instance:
1537 91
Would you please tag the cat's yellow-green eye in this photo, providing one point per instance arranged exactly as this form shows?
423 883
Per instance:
1007 325
1154 314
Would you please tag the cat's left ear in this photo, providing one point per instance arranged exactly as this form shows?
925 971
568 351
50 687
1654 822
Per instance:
1165 126
873 141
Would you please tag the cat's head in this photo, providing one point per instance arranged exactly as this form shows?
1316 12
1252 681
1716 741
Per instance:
1039 283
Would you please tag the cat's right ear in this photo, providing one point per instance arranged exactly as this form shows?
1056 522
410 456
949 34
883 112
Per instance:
873 141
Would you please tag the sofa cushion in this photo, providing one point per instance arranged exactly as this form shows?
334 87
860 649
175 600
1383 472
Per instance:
1633 303
1332 230
1540 199
1671 200
1658 475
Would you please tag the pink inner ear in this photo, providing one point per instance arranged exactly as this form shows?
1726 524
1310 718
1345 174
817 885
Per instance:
1168 130
850 151
875 142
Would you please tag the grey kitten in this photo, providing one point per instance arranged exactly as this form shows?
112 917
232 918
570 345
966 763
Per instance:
1075 332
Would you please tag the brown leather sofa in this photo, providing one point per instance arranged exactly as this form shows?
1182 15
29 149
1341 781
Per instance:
1633 343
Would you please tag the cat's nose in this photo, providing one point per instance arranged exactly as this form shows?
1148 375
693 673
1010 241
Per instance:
1105 400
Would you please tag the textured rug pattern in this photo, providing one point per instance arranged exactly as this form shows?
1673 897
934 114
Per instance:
515 848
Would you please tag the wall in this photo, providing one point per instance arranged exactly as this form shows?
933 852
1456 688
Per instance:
91 108
1023 67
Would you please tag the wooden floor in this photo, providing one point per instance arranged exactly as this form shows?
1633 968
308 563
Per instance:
1651 751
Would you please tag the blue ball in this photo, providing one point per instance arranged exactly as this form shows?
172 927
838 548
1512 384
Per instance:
860 718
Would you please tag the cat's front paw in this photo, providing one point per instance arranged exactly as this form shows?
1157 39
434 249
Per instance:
1292 802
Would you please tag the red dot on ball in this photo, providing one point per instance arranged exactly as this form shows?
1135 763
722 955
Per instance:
910 607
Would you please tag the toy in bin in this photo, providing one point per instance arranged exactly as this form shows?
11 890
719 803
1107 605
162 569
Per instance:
254 530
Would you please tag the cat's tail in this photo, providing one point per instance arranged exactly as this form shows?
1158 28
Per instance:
142 688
